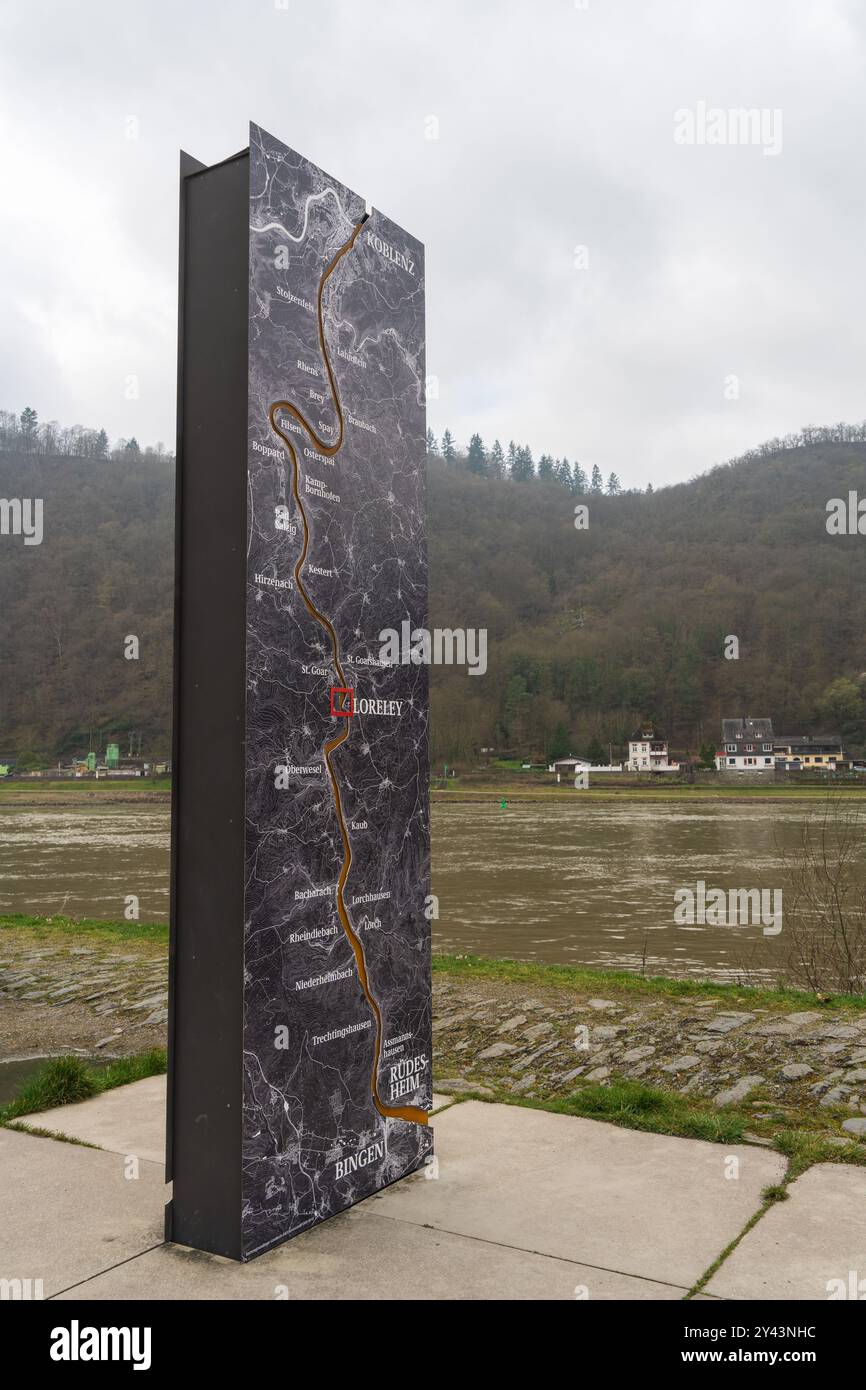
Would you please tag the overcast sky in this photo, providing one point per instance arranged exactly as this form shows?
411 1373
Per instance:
719 295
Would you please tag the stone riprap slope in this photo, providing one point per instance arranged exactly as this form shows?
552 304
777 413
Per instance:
66 993
498 1036
544 1042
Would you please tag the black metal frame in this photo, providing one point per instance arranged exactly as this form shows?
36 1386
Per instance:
205 1023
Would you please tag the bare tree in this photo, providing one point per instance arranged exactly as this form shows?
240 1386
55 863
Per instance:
825 900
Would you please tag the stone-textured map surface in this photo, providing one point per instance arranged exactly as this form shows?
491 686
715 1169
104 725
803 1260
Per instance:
314 1140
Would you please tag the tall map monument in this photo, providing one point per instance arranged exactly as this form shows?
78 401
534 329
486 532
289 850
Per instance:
300 1019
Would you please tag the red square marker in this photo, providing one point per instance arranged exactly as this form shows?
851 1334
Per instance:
343 709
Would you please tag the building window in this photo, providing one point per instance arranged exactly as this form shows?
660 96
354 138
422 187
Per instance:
768 760
768 747
731 747
750 747
732 762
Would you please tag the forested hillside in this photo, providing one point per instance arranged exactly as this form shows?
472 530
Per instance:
589 630
592 630
104 571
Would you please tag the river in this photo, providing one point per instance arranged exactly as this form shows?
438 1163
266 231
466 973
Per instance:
585 885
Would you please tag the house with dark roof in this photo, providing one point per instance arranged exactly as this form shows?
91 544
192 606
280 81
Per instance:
815 752
648 752
748 745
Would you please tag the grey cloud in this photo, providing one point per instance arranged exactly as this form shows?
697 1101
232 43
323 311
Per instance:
556 129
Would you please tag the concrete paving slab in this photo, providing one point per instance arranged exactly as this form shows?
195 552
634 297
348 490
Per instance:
439 1102
794 1252
642 1204
67 1213
127 1120
523 1204
364 1257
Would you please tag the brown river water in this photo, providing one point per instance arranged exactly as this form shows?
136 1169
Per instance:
591 885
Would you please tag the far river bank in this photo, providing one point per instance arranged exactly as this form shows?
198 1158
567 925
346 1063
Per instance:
515 791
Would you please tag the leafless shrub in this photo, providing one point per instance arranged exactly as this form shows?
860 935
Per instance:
825 900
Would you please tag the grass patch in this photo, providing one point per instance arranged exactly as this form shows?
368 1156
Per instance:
533 788
84 784
82 926
492 968
802 1148
776 1192
61 1081
578 978
635 1106
707 1275
126 1069
40 1133
65 1080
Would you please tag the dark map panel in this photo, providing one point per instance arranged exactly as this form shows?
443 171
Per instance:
337 1013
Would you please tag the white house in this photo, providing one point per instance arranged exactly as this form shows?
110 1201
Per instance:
747 746
648 752
567 767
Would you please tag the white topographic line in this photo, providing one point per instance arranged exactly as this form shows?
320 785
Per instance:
311 198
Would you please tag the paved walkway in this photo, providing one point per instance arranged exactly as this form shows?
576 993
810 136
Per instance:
526 1205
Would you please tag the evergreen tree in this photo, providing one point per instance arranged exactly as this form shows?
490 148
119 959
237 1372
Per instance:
597 481
29 423
102 445
562 473
579 484
707 755
545 469
524 469
614 486
432 446
476 459
449 450
595 752
559 743
649 489
516 702
512 457
496 462
131 446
